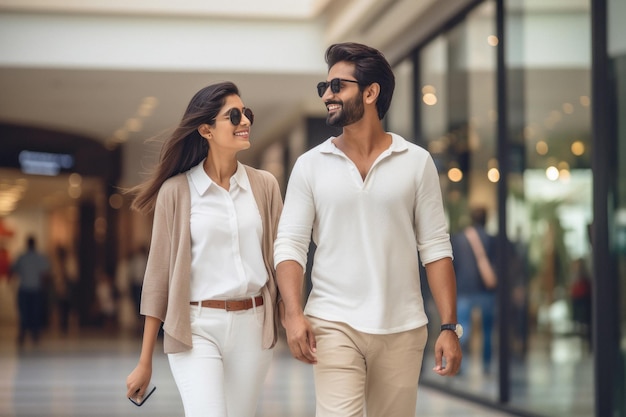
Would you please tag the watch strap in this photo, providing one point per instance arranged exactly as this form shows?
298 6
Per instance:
448 326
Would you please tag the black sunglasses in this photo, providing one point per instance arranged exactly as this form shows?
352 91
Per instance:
335 85
235 115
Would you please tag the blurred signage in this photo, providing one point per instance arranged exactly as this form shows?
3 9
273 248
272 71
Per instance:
44 163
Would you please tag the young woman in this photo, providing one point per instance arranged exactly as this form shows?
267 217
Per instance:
210 276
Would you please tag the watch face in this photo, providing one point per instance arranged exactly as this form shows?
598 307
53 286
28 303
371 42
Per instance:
459 330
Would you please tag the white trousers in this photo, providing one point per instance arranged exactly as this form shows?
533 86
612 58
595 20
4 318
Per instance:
223 374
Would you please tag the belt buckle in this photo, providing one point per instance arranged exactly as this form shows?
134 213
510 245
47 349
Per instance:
228 305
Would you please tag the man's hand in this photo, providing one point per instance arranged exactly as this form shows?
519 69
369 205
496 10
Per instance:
300 337
447 347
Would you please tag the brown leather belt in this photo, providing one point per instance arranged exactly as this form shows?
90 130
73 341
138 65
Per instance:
231 305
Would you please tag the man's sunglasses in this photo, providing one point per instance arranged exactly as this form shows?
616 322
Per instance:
335 85
235 115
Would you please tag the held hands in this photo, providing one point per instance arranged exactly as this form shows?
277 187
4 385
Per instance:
300 336
447 347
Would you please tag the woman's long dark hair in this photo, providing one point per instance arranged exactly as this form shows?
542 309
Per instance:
185 148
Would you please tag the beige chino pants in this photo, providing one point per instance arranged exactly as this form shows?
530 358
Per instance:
358 371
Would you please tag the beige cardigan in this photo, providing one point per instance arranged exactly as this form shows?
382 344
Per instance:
166 286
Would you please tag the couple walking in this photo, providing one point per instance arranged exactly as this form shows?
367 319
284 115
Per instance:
227 260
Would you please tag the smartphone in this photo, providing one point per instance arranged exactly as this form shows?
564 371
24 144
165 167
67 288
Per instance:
139 401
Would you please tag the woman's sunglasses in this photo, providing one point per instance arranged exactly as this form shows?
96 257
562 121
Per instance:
335 85
235 115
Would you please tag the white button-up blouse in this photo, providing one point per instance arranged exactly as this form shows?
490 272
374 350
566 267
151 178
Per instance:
226 232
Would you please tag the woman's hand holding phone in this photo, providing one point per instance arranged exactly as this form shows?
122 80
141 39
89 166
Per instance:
139 400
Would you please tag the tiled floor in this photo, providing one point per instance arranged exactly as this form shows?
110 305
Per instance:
84 376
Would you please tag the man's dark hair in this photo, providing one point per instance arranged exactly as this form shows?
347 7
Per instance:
370 66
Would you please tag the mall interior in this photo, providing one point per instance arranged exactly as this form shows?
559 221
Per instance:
521 103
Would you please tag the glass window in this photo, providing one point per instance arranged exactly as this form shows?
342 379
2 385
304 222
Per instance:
549 205
400 118
458 126
617 54
619 220
549 200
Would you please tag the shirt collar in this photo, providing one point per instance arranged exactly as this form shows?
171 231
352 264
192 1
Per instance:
241 177
398 144
201 181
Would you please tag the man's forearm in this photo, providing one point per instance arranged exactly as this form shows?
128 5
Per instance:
442 283
290 281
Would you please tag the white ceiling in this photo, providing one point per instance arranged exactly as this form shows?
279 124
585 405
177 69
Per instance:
85 67
97 103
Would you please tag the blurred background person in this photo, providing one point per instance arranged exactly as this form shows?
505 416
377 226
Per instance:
474 254
7 297
106 302
5 263
580 293
32 269
65 281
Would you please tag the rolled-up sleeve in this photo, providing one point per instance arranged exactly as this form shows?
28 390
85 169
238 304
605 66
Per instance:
296 221
431 229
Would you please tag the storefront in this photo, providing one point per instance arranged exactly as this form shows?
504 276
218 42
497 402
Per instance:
609 128
521 104
61 189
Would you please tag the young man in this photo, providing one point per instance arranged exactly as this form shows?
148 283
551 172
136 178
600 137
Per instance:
371 201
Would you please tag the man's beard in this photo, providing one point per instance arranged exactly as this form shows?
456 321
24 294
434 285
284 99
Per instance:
351 112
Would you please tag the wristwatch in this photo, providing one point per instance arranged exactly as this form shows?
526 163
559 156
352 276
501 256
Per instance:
455 327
